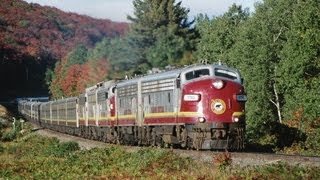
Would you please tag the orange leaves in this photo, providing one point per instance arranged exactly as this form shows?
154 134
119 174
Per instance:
74 81
98 70
31 50
78 77
296 121
222 160
34 30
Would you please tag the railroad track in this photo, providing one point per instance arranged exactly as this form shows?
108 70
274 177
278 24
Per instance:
253 158
238 158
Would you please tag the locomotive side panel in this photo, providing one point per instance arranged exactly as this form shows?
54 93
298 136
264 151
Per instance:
127 104
158 98
92 108
71 112
82 112
102 114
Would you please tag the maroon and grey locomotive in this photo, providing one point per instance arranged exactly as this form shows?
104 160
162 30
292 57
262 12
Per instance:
198 107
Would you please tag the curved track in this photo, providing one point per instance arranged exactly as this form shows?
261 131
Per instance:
254 159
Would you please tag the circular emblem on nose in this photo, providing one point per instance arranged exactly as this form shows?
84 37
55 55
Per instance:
218 106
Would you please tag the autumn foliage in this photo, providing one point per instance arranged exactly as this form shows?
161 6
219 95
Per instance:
78 77
33 38
36 31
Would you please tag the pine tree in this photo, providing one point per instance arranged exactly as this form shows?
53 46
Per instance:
160 32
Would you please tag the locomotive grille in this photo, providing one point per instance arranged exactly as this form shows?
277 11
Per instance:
128 91
160 85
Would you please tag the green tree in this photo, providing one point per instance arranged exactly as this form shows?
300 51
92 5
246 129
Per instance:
55 84
258 45
299 69
101 50
168 49
122 59
160 32
219 35
258 50
278 54
77 56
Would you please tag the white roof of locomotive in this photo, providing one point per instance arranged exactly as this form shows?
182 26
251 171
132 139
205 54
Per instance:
169 74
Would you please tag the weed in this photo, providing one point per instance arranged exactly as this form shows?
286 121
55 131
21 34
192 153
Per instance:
37 157
2 148
222 160
9 136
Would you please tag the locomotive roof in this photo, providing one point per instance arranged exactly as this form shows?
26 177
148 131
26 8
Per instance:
150 77
69 99
170 74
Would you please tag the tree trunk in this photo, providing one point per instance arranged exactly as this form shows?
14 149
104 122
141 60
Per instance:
276 102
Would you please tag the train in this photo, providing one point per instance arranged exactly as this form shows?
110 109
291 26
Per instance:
200 106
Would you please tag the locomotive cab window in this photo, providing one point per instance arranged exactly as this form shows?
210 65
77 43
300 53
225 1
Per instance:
226 73
197 73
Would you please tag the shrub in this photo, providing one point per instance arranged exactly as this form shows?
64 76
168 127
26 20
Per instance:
1 148
9 136
62 149
3 123
222 160
312 142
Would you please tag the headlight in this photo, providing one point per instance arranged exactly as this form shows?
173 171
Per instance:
235 119
241 98
218 84
237 116
202 119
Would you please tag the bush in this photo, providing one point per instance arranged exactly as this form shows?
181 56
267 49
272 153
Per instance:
312 142
222 161
68 147
1 148
62 149
3 123
9 136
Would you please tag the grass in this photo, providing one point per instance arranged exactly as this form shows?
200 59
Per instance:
35 157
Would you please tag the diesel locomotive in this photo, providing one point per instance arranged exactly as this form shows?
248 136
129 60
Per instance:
199 107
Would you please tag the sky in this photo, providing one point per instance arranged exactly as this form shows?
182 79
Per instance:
117 10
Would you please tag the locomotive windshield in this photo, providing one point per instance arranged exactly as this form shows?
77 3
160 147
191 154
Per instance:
226 73
197 73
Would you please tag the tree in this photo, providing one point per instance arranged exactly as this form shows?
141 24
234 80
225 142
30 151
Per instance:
299 69
98 71
168 49
77 56
160 32
278 54
258 50
266 48
55 82
123 59
219 35
71 82
101 49
81 68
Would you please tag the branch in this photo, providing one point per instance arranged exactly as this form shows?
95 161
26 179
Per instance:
273 102
277 37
